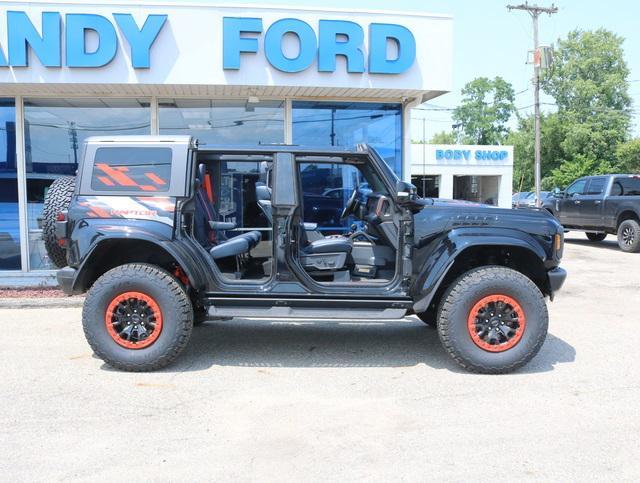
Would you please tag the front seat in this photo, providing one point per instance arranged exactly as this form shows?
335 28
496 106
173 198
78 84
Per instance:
324 254
318 252
263 197
210 231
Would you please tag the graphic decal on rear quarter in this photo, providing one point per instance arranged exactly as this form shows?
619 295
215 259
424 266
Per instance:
153 208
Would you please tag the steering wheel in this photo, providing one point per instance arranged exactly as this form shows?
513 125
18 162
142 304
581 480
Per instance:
351 205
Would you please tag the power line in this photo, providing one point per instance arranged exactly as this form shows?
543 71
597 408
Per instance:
446 109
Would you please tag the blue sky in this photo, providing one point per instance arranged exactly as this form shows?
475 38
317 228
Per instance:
491 41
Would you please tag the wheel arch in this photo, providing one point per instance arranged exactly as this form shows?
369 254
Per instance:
112 252
627 214
441 269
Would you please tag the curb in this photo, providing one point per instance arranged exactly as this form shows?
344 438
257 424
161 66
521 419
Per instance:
41 303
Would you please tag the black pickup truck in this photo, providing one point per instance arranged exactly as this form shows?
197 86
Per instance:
163 233
601 205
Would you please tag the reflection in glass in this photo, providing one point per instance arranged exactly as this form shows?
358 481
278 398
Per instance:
9 220
326 189
347 124
223 121
55 130
428 186
479 189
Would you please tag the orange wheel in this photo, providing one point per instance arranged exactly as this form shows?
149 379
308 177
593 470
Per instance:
496 323
133 320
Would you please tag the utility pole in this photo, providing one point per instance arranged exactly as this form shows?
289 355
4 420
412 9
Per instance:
535 11
73 141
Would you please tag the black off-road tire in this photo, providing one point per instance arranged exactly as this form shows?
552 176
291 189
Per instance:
57 200
629 236
596 237
460 298
173 302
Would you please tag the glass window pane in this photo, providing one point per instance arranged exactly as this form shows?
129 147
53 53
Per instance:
596 186
629 186
238 122
479 189
9 221
126 169
347 124
237 184
577 187
55 130
326 188
427 186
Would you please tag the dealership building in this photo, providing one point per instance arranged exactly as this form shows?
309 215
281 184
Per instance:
224 74
483 174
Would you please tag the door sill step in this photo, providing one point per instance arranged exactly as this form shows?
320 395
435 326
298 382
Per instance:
279 312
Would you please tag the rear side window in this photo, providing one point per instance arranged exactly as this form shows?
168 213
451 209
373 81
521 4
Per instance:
626 186
145 170
596 186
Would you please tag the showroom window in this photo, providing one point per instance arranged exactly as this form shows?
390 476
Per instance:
9 219
347 124
427 186
223 121
326 189
480 189
54 133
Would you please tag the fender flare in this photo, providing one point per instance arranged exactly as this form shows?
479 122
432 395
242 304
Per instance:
449 247
111 233
624 208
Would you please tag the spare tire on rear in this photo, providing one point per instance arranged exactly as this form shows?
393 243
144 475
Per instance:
57 199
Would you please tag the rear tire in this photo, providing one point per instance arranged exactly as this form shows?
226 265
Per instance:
596 237
150 298
58 199
515 326
629 236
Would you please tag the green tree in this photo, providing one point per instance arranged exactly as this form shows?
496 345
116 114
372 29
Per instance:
588 81
628 155
443 137
486 107
551 153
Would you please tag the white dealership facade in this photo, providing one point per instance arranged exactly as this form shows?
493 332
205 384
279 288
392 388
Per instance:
226 74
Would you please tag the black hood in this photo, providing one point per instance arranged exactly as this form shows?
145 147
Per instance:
438 215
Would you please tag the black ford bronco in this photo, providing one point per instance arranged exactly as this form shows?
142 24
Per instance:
164 234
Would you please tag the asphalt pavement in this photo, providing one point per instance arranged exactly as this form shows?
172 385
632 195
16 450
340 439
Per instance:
326 401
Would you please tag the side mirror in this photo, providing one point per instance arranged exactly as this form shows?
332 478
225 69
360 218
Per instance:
405 192
558 193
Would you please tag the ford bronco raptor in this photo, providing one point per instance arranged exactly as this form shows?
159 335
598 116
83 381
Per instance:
163 234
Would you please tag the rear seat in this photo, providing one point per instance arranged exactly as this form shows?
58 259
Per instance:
238 245
231 247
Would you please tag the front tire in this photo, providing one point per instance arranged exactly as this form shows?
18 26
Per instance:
137 317
629 236
492 320
596 237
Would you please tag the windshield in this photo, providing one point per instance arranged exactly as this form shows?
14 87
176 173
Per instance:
385 167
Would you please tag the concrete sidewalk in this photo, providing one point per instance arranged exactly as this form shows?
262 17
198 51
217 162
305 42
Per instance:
41 302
